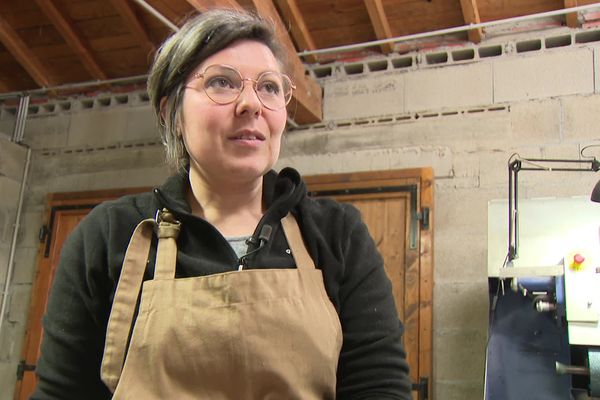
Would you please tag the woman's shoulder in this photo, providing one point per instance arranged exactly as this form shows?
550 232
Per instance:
328 209
118 215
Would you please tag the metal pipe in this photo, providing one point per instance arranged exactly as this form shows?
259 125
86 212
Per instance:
158 15
13 244
446 31
79 85
21 117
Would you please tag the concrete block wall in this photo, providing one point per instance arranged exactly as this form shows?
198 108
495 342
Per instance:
12 163
464 120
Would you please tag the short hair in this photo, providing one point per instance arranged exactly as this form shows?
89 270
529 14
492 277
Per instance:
198 39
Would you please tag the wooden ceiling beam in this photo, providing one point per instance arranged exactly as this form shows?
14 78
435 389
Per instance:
297 27
23 55
470 12
126 10
307 105
205 5
571 19
380 23
74 39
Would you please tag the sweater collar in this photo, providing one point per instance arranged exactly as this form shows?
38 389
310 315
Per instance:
281 192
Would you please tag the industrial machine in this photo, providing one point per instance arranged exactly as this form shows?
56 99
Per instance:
544 316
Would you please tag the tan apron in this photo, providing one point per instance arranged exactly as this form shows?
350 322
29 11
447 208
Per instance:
250 334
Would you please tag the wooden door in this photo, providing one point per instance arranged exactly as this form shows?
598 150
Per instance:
63 213
397 208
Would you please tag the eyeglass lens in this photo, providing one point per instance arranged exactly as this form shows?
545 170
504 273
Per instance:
224 84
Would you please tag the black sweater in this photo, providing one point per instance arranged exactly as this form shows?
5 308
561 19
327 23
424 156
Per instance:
372 362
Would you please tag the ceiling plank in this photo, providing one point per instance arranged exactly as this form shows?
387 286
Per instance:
74 39
23 55
470 12
126 10
307 107
572 20
298 28
308 95
205 5
380 23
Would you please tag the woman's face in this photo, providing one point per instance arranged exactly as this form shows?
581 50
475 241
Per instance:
239 141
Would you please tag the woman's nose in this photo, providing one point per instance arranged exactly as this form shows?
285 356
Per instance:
248 102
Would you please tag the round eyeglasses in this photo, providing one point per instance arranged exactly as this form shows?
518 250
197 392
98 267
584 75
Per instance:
223 84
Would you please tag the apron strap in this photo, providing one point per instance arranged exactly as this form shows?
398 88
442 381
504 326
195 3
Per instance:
123 307
130 282
166 253
294 239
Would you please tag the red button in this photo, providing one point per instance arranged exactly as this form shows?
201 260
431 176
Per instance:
578 258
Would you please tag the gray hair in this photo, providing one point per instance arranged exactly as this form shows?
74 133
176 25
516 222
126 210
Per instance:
198 39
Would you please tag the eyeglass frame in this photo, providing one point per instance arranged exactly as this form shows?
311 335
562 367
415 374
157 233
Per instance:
198 75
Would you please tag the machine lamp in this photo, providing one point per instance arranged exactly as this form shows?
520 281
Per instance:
596 193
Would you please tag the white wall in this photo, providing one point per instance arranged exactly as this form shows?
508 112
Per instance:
463 119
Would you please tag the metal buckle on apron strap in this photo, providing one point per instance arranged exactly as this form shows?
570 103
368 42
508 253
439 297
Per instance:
166 216
166 225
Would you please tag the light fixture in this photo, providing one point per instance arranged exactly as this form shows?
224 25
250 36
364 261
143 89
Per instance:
596 193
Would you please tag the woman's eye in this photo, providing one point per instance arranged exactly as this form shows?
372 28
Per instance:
220 82
269 87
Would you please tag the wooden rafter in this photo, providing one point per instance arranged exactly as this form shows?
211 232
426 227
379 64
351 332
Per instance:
307 107
126 10
204 5
289 9
308 95
23 55
380 23
74 39
572 20
471 16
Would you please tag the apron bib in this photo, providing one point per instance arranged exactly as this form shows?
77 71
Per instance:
250 334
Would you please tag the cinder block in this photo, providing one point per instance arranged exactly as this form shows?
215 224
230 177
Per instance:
459 254
29 227
47 131
459 347
581 118
365 96
141 124
9 192
461 305
449 87
534 122
7 223
8 378
10 342
25 265
91 128
18 308
544 75
458 389
12 159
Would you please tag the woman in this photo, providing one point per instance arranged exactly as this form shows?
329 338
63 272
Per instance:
251 289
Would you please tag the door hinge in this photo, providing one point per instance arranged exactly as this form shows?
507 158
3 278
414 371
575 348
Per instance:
22 367
43 233
423 216
422 388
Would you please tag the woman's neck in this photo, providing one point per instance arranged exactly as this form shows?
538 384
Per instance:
233 208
